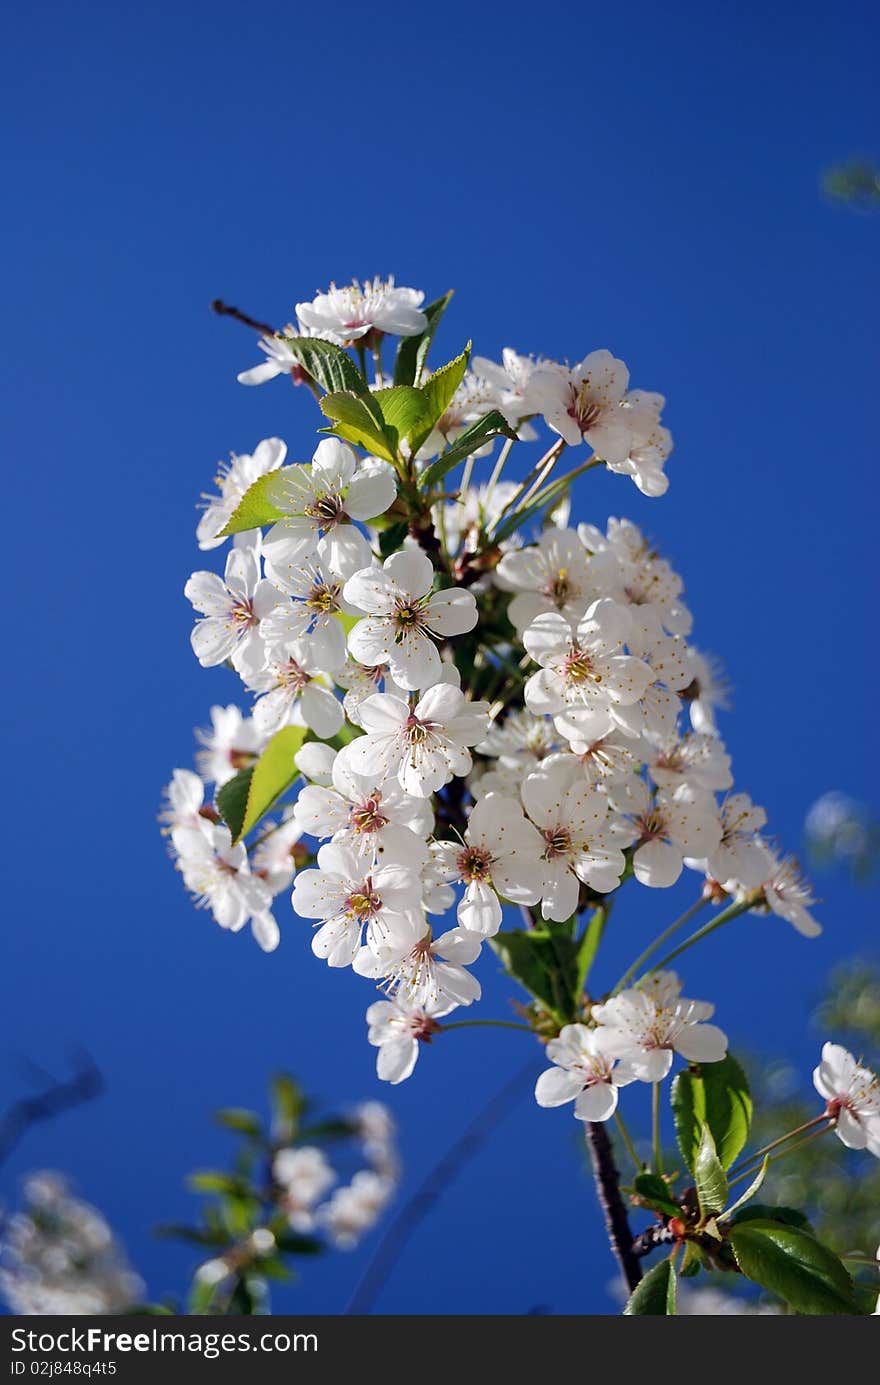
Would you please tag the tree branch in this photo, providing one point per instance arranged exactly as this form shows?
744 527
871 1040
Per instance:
224 310
85 1084
612 1204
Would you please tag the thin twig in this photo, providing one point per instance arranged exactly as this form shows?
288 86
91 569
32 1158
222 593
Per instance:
444 1172
85 1084
224 310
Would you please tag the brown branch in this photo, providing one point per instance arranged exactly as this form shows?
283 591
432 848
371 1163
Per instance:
224 310
612 1204
85 1084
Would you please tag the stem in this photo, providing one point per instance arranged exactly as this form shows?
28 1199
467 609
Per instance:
765 1149
659 941
494 1024
657 1157
466 476
627 1140
224 310
749 1173
377 363
498 468
550 455
612 1204
731 912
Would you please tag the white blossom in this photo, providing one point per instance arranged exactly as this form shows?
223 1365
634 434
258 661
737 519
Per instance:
424 747
740 856
353 899
404 617
319 502
853 1096
666 827
582 840
583 404
396 1027
425 969
370 816
347 314
218 875
583 1073
313 612
293 692
232 481
583 665
233 743
500 856
786 892
233 608
644 1028
303 1175
553 575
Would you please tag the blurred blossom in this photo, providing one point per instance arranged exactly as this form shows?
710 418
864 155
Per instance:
841 831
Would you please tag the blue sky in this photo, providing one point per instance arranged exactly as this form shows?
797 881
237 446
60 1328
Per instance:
643 178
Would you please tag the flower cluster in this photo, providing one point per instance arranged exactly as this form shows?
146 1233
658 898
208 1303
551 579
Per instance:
59 1256
491 706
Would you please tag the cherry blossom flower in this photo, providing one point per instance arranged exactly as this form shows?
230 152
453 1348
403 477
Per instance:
671 825
583 665
473 398
695 759
553 575
347 314
232 481
706 690
303 1175
650 443
853 1096
404 617
318 503
422 747
184 804
314 760
645 1029
293 692
785 891
500 856
353 1210
396 1027
232 607
583 1073
602 750
425 969
274 857
353 899
583 404
655 716
513 383
232 743
582 841
636 576
314 612
740 856
219 876
369 816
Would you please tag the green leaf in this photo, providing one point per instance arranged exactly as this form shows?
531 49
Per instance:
201 1297
330 366
654 1191
793 1265
413 351
249 795
544 962
358 419
750 1191
288 1104
390 539
709 1176
255 509
439 390
655 1296
491 425
786 1216
235 1118
717 1095
589 944
402 407
215 1181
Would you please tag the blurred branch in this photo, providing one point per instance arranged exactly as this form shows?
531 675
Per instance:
60 1096
438 1179
856 183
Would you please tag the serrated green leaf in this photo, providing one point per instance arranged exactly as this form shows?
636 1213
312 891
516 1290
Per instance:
413 351
654 1192
717 1095
358 419
232 798
402 407
709 1176
390 539
655 1296
491 425
329 365
439 390
236 1118
793 1265
255 509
